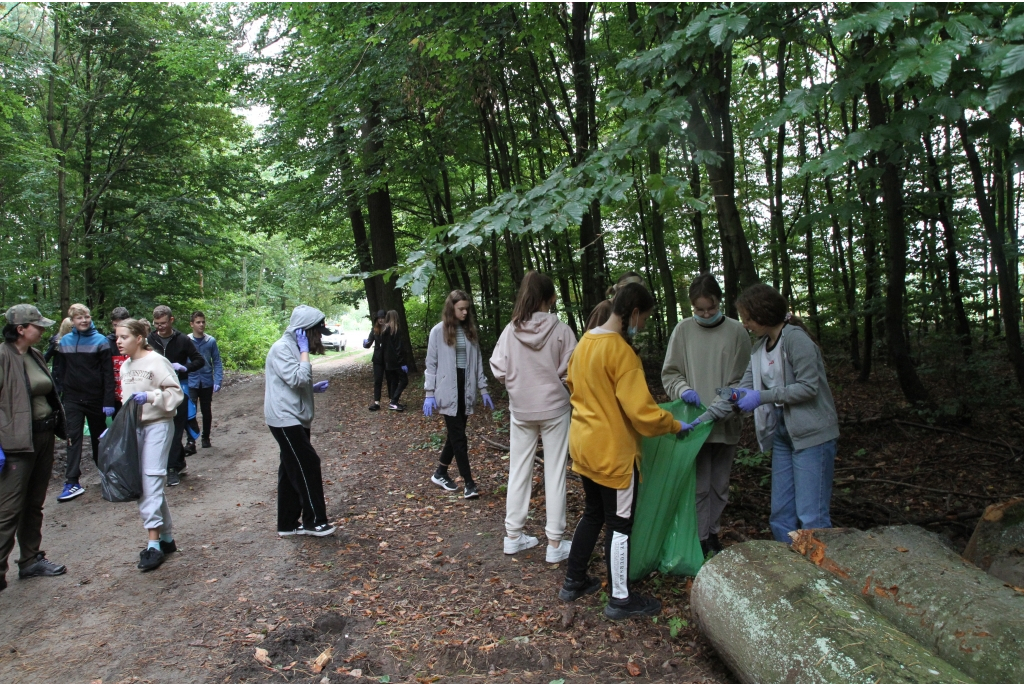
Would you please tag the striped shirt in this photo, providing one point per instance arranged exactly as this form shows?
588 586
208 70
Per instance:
460 348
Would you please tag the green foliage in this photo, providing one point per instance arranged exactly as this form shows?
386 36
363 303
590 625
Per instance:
675 625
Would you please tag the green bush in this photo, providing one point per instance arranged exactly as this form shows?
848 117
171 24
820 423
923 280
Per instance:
244 333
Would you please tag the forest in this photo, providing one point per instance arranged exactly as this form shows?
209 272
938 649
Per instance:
865 159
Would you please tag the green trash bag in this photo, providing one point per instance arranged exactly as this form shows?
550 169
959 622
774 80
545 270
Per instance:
85 429
664 534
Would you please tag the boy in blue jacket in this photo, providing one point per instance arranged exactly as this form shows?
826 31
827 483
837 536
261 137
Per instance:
207 380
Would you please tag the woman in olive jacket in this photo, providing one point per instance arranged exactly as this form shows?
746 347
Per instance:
31 416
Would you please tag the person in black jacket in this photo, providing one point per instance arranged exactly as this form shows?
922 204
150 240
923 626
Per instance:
377 341
185 358
395 368
117 315
53 354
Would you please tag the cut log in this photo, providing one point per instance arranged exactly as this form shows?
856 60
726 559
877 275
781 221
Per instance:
950 606
774 617
997 545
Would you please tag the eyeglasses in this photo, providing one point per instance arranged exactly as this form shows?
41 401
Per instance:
705 312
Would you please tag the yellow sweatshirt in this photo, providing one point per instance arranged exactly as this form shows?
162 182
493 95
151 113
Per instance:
612 408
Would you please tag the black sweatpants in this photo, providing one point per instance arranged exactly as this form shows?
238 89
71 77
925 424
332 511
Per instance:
455 446
397 381
300 483
203 399
604 506
76 414
378 380
176 459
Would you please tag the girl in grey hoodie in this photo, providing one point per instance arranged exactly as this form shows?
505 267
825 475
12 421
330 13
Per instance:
532 359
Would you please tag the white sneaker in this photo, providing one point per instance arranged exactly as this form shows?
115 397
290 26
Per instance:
519 544
560 553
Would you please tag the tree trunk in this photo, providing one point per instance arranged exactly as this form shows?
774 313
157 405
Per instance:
775 617
930 593
59 145
372 285
696 216
660 251
1008 290
778 222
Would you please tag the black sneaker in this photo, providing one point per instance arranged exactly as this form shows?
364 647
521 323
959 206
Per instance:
573 589
168 547
150 559
634 605
172 477
206 443
183 469
42 567
299 530
705 548
3 584
471 491
441 478
374 407
395 406
319 531
190 449
714 543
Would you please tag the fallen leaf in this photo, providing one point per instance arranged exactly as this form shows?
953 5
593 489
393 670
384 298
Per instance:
356 673
261 656
290 666
429 679
633 669
902 549
322 660
355 657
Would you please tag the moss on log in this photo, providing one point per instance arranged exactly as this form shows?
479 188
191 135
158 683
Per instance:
774 617
997 544
950 606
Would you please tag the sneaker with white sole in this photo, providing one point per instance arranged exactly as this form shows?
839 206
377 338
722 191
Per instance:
70 491
560 553
513 545
471 491
319 531
299 530
441 479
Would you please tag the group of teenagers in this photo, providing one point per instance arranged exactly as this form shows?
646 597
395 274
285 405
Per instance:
589 399
152 370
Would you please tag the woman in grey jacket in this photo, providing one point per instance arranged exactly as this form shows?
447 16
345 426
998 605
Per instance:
453 375
794 414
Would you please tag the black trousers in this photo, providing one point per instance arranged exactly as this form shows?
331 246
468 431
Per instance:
76 414
455 446
378 380
604 506
203 399
300 482
397 381
23 483
176 459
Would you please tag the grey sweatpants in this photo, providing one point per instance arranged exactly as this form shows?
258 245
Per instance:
714 464
154 447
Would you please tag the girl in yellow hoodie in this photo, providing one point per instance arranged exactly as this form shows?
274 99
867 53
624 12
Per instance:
612 408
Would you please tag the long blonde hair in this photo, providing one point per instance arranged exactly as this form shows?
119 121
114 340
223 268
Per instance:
450 322
391 322
65 327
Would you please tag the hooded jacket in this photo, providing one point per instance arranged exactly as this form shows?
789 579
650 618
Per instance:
178 349
532 363
88 369
288 397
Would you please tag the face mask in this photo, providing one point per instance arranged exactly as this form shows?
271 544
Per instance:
632 330
710 321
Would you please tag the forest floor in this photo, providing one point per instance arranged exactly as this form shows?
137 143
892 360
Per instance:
414 586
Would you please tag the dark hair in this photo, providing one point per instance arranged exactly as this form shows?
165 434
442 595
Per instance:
598 315
11 333
450 322
764 305
705 285
162 310
196 314
119 314
535 290
629 297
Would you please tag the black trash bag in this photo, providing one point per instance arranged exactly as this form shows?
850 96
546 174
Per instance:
118 462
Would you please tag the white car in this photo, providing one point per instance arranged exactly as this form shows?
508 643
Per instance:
335 341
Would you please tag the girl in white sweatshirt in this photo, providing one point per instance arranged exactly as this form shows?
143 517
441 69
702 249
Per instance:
149 381
531 359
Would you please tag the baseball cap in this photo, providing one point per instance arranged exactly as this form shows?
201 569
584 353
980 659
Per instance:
25 314
380 314
322 327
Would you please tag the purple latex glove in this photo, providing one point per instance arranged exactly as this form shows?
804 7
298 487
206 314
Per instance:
686 428
749 399
366 342
405 369
487 402
429 405
690 396
140 398
109 411
103 433
179 368
302 340
321 386
216 388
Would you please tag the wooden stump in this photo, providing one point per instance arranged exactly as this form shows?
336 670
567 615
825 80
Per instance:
951 607
774 617
997 544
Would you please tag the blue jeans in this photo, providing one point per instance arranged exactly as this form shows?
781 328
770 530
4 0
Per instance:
801 484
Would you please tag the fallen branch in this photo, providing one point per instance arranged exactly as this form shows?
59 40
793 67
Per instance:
919 487
1001 443
496 445
963 516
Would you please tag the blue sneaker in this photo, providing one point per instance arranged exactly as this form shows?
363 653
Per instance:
71 491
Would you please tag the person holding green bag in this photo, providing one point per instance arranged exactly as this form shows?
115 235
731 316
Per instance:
707 352
612 408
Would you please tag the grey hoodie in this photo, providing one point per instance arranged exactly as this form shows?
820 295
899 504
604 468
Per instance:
532 362
288 398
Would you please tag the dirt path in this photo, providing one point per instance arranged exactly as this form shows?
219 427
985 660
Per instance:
413 586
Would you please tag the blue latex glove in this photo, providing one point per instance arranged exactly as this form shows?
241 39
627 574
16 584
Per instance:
103 433
405 369
686 428
140 397
749 399
321 386
178 367
216 388
3 458
366 342
487 402
109 411
302 340
690 397
429 405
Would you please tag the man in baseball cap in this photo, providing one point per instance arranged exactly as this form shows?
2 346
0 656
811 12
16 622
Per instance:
25 314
